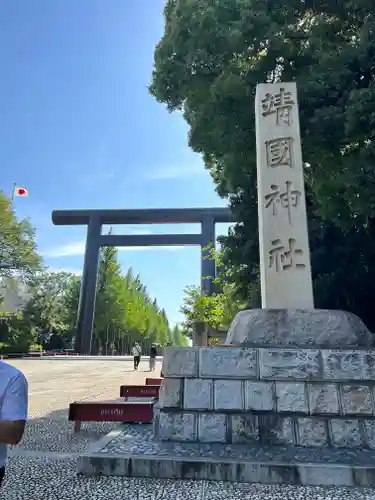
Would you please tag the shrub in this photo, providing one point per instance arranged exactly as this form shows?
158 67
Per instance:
36 347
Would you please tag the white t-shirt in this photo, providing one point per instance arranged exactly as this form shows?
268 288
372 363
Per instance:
137 350
13 399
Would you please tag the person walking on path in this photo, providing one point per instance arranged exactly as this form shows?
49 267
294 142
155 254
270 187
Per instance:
13 409
137 351
153 353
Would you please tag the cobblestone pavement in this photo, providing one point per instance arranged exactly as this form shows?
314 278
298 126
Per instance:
42 467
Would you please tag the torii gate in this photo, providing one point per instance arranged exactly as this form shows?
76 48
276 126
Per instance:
94 219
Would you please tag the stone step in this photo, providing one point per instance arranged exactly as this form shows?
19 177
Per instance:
132 451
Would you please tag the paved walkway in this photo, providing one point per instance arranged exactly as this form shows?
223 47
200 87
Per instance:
43 466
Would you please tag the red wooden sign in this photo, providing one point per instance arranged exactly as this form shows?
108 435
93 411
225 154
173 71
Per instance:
139 411
139 391
154 381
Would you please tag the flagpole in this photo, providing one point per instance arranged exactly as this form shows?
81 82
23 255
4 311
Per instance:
12 198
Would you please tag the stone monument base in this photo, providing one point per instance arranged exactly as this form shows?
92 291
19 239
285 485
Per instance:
299 327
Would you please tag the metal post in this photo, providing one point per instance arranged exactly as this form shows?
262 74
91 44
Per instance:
106 341
208 273
81 307
200 337
86 308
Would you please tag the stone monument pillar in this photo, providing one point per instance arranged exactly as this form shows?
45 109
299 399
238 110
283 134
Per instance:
290 377
287 316
283 238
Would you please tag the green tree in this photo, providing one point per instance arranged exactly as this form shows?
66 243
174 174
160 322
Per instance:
16 335
124 311
212 55
46 309
69 308
17 243
217 310
178 337
19 261
109 310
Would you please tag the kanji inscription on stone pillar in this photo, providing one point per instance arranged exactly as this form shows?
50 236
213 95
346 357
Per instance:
283 237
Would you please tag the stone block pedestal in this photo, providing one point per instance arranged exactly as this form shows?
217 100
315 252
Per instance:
268 396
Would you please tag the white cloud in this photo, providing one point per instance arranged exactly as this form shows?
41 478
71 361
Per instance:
70 250
150 248
77 272
78 248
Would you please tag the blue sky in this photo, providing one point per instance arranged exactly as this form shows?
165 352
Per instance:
79 130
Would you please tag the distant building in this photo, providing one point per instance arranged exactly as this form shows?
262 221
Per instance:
13 294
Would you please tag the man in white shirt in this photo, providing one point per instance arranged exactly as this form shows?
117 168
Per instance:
13 409
137 351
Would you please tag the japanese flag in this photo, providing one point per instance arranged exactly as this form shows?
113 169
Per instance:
20 191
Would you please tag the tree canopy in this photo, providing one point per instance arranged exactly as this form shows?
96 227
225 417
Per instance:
18 252
216 310
207 64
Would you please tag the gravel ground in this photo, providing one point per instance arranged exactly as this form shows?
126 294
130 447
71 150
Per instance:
43 466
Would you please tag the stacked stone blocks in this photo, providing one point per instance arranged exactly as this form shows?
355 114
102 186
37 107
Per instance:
234 395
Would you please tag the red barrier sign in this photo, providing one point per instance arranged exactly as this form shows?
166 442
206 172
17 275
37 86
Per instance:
140 411
139 391
154 381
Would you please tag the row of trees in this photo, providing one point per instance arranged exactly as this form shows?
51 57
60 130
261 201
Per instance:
207 64
47 312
